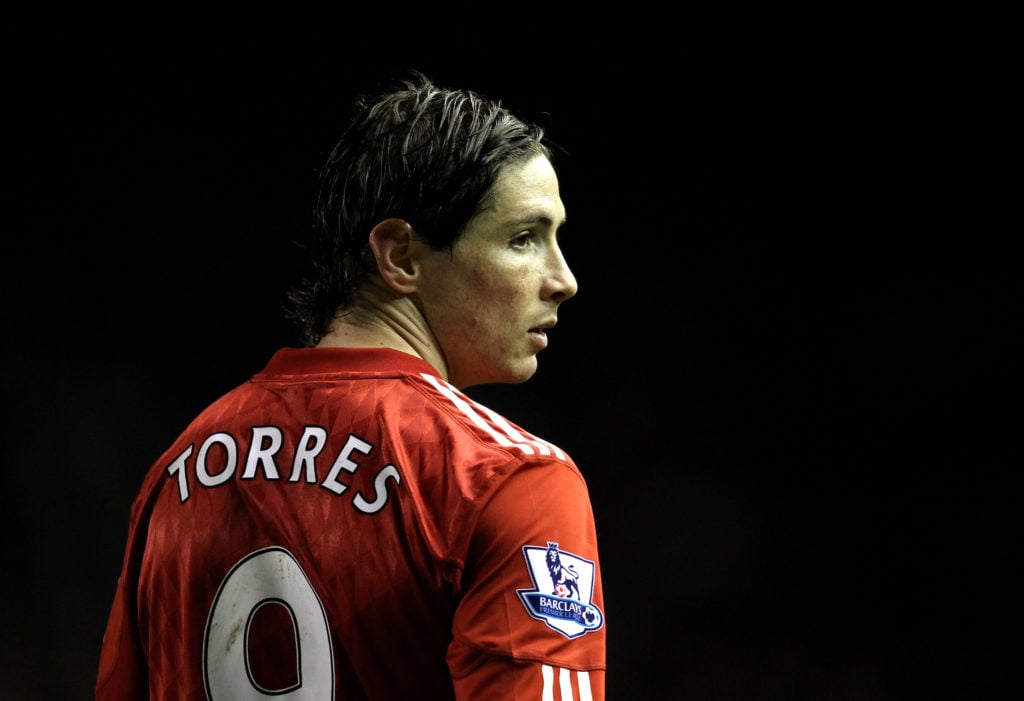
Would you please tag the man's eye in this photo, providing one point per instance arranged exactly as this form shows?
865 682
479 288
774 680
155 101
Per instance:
522 240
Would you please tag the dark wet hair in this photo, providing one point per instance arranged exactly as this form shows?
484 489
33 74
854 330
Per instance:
418 152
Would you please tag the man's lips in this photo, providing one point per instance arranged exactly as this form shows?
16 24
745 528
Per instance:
539 333
539 338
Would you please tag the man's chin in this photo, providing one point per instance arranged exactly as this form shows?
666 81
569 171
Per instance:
524 370
512 375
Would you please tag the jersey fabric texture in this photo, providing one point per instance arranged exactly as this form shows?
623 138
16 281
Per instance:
347 525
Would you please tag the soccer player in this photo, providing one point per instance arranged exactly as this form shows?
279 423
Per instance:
349 524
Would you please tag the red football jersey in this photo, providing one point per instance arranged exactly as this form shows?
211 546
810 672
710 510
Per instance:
347 525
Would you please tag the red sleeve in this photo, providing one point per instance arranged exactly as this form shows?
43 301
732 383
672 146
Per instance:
122 671
531 619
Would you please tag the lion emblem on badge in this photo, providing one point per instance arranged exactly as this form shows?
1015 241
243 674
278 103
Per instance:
563 578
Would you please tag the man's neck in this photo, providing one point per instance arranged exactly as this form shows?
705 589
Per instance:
381 319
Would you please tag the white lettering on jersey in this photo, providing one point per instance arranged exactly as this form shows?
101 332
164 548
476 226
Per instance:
259 455
217 461
344 462
313 440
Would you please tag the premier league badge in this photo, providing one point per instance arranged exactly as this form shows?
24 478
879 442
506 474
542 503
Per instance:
563 589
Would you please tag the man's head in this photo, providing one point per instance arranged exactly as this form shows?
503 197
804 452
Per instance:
480 311
422 154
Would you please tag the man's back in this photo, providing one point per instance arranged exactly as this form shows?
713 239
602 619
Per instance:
348 525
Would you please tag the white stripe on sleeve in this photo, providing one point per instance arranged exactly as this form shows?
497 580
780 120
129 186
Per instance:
465 407
548 694
507 436
564 684
584 680
543 446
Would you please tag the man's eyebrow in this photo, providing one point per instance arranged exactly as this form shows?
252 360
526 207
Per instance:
531 220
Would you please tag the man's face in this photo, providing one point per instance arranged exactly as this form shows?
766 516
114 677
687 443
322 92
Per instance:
490 301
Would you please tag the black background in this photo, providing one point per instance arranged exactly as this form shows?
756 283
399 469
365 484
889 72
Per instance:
787 374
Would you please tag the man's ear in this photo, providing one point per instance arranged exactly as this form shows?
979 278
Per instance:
391 242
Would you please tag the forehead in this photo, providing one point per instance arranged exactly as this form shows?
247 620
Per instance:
525 190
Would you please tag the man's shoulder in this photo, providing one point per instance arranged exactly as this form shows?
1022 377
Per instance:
482 425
